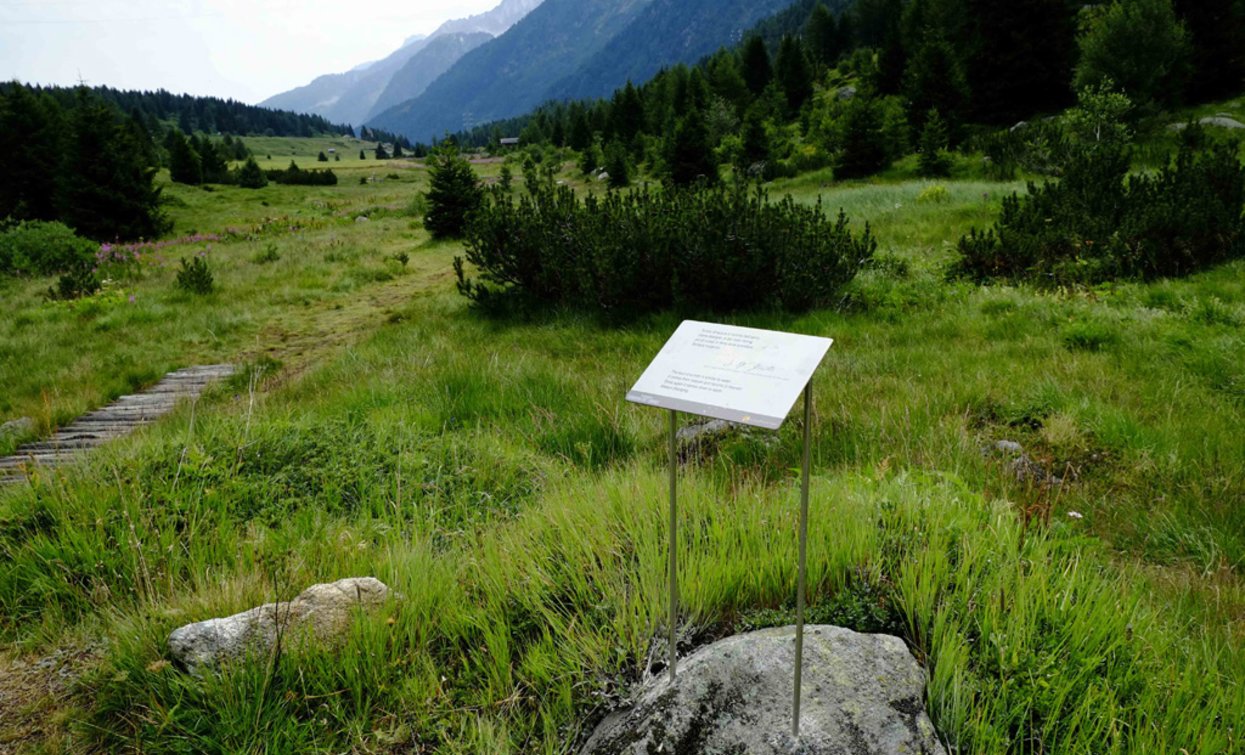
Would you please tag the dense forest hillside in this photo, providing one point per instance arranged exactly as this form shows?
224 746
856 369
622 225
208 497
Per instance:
514 72
666 32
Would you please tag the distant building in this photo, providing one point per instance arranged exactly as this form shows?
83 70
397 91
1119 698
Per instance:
510 141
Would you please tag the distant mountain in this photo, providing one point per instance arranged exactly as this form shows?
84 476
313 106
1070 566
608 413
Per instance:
569 49
425 67
514 72
352 95
666 32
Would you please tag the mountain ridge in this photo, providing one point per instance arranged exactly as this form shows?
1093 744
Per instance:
350 96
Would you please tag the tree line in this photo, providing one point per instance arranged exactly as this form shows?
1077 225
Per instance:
208 114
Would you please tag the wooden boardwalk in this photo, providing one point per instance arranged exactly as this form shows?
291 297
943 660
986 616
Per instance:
119 418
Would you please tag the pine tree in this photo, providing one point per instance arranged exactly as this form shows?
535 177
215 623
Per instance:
1217 29
454 193
28 174
322 157
250 176
935 81
755 65
580 134
688 156
105 191
397 149
617 165
362 155
754 158
381 152
933 161
589 159
822 34
185 165
626 113
1020 58
792 72
863 149
214 164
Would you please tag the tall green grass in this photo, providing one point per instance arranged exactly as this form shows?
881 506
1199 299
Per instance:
490 471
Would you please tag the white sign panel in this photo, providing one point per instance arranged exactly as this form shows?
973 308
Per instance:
727 372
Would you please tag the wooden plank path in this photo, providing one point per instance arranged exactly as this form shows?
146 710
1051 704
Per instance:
119 418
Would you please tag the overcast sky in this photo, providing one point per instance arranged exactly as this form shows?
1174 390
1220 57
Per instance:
244 49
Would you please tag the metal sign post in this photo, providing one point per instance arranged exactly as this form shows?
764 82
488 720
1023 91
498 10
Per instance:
674 548
799 585
742 375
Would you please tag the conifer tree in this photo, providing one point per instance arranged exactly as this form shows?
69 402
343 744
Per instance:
1020 56
105 191
617 165
185 165
250 176
793 74
453 194
863 149
28 175
822 33
933 161
755 65
381 152
935 81
1217 31
322 157
688 156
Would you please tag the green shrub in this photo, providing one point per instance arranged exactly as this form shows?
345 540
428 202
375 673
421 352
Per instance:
1095 225
78 281
269 254
36 247
626 253
296 176
249 176
195 277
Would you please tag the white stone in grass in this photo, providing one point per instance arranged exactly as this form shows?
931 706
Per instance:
322 612
1009 447
862 693
20 427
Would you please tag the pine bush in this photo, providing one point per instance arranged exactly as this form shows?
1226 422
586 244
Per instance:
641 251
1099 224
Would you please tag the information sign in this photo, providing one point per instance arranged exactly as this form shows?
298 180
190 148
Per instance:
743 375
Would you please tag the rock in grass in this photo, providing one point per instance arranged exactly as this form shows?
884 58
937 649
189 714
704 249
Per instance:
322 612
862 693
17 428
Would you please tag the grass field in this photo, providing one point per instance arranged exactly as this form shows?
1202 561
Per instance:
490 471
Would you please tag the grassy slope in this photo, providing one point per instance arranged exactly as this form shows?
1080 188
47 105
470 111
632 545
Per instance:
491 472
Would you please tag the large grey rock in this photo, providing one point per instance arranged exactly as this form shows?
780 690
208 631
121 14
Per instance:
321 612
862 694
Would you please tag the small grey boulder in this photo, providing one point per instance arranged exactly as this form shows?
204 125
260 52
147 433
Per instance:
17 428
322 612
862 694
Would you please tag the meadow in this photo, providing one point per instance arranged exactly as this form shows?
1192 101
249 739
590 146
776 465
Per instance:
489 470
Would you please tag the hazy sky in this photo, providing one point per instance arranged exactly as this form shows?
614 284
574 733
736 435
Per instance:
244 49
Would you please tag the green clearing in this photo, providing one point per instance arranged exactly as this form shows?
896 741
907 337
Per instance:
490 471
